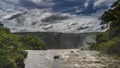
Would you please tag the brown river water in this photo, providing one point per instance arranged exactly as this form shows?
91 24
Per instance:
68 58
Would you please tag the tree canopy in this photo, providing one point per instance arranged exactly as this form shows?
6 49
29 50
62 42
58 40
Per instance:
109 41
12 48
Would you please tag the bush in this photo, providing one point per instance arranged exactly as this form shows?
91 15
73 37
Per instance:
7 62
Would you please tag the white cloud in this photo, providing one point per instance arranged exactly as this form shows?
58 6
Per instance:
32 20
79 10
100 3
36 1
74 24
86 4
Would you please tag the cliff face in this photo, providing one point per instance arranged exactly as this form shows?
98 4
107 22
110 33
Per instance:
64 40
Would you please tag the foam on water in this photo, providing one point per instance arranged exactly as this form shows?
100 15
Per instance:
67 58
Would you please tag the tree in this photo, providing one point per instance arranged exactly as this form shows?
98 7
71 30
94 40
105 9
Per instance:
108 41
12 48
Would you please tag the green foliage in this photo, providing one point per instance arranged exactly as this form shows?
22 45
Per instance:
12 48
1 24
7 62
32 42
109 41
112 14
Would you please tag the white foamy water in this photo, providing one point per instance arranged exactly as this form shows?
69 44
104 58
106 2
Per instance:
66 58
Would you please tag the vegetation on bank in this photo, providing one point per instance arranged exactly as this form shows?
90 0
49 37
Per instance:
12 48
108 42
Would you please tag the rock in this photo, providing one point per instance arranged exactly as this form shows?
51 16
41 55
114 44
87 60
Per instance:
72 51
56 56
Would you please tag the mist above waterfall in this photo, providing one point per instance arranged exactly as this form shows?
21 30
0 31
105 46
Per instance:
64 40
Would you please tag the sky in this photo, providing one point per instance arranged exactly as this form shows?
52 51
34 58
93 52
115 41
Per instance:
69 16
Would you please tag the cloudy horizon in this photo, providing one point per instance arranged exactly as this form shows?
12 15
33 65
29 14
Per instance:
74 16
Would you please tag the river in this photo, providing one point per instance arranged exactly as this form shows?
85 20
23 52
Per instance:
68 58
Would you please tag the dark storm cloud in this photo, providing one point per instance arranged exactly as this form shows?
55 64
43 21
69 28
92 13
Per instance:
53 18
83 27
16 15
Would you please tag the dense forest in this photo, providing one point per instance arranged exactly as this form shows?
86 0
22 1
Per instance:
12 48
108 42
